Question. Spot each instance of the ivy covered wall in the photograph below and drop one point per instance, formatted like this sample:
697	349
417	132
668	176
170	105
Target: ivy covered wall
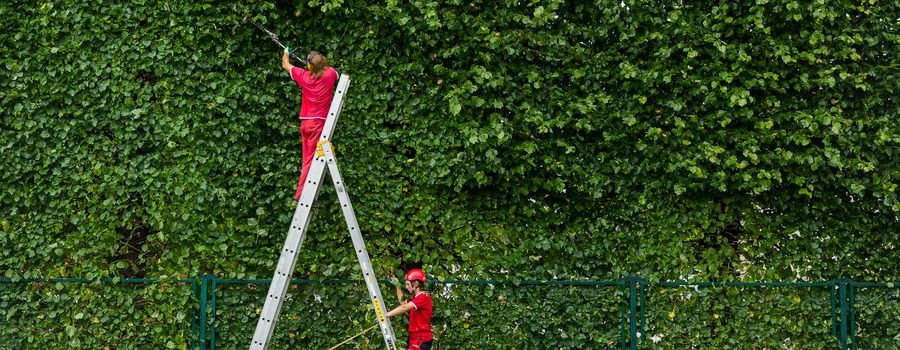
486	140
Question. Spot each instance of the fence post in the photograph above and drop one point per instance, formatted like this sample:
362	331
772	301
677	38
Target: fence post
195	336
624	335
833	308
843	296
632	308
203	293
852	319
642	298
212	312
634	284
847	299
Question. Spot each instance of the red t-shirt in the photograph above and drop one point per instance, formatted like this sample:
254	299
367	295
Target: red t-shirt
420	317
316	93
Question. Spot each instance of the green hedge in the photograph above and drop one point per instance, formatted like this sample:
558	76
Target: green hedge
506	140
877	310
734	318
64	315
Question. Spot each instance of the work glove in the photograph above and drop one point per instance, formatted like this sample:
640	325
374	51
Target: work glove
287	50
395	281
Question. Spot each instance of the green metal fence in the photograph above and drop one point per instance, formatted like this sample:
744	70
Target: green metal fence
630	295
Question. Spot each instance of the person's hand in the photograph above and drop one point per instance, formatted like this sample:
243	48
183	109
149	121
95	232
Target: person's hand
394	280
287	50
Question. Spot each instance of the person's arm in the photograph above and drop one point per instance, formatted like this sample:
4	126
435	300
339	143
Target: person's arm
397	288
286	61
399	294
402	309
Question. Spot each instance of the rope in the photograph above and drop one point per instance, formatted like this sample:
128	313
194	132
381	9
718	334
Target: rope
351	338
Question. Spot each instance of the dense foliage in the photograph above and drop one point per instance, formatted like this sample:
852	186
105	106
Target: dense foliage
484	139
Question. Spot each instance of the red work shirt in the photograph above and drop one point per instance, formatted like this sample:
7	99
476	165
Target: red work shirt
316	93
420	317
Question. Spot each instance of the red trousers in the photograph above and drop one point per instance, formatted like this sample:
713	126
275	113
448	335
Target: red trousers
419	341
310	131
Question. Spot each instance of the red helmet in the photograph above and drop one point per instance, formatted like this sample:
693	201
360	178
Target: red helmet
415	274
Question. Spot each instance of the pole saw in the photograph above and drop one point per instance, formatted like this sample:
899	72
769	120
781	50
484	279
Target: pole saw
274	38
243	13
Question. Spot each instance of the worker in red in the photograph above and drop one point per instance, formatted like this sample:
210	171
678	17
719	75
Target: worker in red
316	89
419	308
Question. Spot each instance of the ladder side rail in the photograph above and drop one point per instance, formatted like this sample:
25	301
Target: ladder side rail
288	258
297	233
337	104
360	248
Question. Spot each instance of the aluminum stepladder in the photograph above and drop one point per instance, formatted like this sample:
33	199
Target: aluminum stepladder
297	233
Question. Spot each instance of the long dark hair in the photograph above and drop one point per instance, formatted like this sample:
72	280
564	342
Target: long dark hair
422	286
